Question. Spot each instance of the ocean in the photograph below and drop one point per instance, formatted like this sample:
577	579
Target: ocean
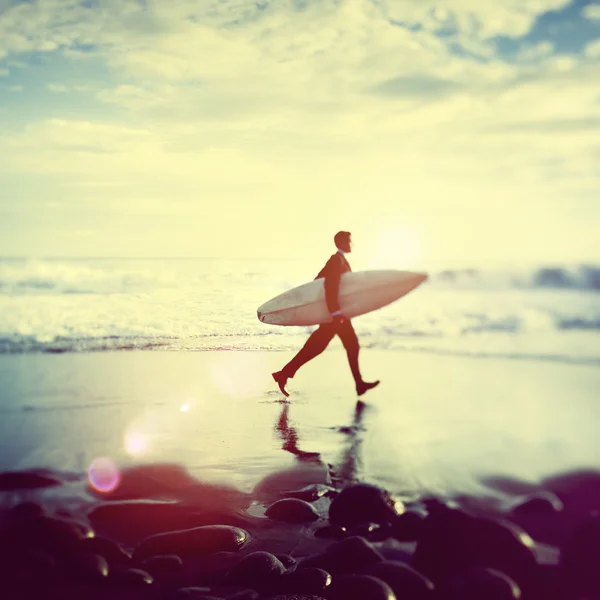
541	312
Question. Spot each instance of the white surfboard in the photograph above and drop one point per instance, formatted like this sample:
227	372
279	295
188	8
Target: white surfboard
360	292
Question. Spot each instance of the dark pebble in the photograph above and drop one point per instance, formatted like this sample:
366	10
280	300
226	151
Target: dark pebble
310	580
453	540
481	583
194	593
371	531
310	493
296	597
406	582
292	510
200	540
362	503
580	556
87	567
360	587
27	510
46	532
25	480
244	595
162	565
347	556
332	532
287	561
257	570
132	577
541	504
408	526
116	556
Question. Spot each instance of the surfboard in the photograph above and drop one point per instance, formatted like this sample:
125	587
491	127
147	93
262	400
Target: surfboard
361	292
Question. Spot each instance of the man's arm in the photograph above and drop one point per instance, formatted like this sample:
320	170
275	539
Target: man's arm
333	276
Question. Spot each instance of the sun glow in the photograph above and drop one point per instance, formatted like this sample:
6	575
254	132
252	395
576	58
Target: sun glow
396	247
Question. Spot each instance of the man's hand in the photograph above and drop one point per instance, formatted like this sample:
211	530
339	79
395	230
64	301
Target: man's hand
337	317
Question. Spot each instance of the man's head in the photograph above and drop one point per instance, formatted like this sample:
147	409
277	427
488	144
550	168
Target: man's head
343	241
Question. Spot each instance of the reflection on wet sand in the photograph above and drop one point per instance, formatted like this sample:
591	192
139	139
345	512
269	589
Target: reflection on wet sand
348	467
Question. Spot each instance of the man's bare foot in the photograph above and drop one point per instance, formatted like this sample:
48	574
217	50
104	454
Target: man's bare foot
365	386
281	380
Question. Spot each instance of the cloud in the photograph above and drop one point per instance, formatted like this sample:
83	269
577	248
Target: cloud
592	12
416	86
592	50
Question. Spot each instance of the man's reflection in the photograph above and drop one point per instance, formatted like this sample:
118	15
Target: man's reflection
290	438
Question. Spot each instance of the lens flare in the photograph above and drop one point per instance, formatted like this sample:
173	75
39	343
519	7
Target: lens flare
185	408
136	442
103	475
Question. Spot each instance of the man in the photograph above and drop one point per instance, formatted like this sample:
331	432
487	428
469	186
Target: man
339	325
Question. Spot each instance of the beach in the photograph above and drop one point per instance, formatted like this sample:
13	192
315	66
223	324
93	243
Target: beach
484	432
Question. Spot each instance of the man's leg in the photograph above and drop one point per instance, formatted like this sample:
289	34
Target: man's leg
350	341
315	344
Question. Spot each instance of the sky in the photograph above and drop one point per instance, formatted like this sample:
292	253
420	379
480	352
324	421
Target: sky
455	130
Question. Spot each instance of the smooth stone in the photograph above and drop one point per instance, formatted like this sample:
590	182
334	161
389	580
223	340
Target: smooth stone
11	481
46	532
332	532
406	582
27	565
88	567
409	525
287	560
132	577
347	556
296	597
27	510
199	540
360	587
275	485
374	532
116	556
161	565
580	556
362	503
194	593
257	570
479	583
244	595
453	540
292	510
310	580
309	493
540	504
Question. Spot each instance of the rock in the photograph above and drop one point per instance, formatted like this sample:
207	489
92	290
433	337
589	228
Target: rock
162	565
291	510
540	504
330	532
244	595
296	597
115	555
480	582
371	531
361	503
309	493
453	540
45	532
360	587
199	540
580	556
11	481
310	580
87	567
275	485
287	560
258	570
347	556
27	510
407	527
194	593
134	577
406	582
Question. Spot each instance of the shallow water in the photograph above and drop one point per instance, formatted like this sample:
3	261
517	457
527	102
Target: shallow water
436	424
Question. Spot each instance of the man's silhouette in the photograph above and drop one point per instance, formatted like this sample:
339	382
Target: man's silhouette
339	325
